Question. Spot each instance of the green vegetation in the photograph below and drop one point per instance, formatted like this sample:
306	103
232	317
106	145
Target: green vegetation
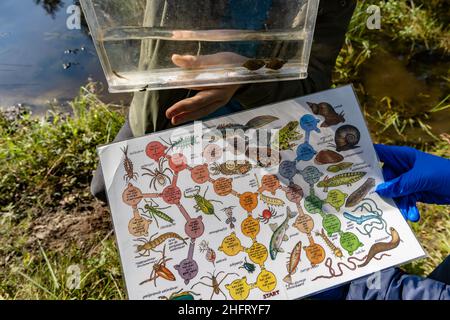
401	72
49	222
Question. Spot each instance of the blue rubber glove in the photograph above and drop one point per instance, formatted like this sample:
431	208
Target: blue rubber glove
413	176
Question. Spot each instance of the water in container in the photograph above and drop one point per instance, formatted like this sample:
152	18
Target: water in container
165	44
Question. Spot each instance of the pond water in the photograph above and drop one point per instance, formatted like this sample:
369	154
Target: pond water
41	59
415	86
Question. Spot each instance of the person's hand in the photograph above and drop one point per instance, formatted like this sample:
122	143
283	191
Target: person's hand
413	176
210	60
205	102
208	99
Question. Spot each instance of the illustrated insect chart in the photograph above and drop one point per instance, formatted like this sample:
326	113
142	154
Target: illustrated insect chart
201	215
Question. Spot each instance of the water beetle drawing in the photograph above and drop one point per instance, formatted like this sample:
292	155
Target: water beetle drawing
202	204
250	267
180	295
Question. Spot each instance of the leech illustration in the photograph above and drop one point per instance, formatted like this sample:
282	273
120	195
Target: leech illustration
360	193
382	247
339	167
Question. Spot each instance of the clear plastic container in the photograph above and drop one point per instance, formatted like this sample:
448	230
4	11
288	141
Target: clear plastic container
166	44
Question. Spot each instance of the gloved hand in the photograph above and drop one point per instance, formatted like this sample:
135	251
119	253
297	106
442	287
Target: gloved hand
412	176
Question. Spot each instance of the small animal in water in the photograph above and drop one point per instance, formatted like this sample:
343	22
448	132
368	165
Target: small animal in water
254	64
272	63
275	63
118	75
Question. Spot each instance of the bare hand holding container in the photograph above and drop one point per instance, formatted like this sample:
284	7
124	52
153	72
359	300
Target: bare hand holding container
167	44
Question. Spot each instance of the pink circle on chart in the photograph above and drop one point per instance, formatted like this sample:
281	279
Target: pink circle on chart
178	162
194	228
212	153
200	174
155	150
171	195
294	193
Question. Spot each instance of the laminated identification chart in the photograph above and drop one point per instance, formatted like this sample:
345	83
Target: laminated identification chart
273	203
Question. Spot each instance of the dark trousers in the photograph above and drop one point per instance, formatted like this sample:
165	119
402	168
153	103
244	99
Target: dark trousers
98	188
442	272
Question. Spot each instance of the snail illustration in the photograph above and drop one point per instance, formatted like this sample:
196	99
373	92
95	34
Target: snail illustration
327	111
347	138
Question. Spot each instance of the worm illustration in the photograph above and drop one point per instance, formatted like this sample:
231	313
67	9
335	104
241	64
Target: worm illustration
338	272
382	247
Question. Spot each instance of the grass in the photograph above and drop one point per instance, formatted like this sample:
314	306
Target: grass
51	227
45	169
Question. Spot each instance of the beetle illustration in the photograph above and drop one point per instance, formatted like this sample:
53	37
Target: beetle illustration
202	204
180	295
160	270
250	267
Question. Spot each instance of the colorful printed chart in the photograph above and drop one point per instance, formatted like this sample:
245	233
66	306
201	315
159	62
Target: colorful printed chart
280	207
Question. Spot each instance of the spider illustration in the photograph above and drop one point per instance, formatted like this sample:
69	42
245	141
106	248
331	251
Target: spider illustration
215	283
267	214
159	174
